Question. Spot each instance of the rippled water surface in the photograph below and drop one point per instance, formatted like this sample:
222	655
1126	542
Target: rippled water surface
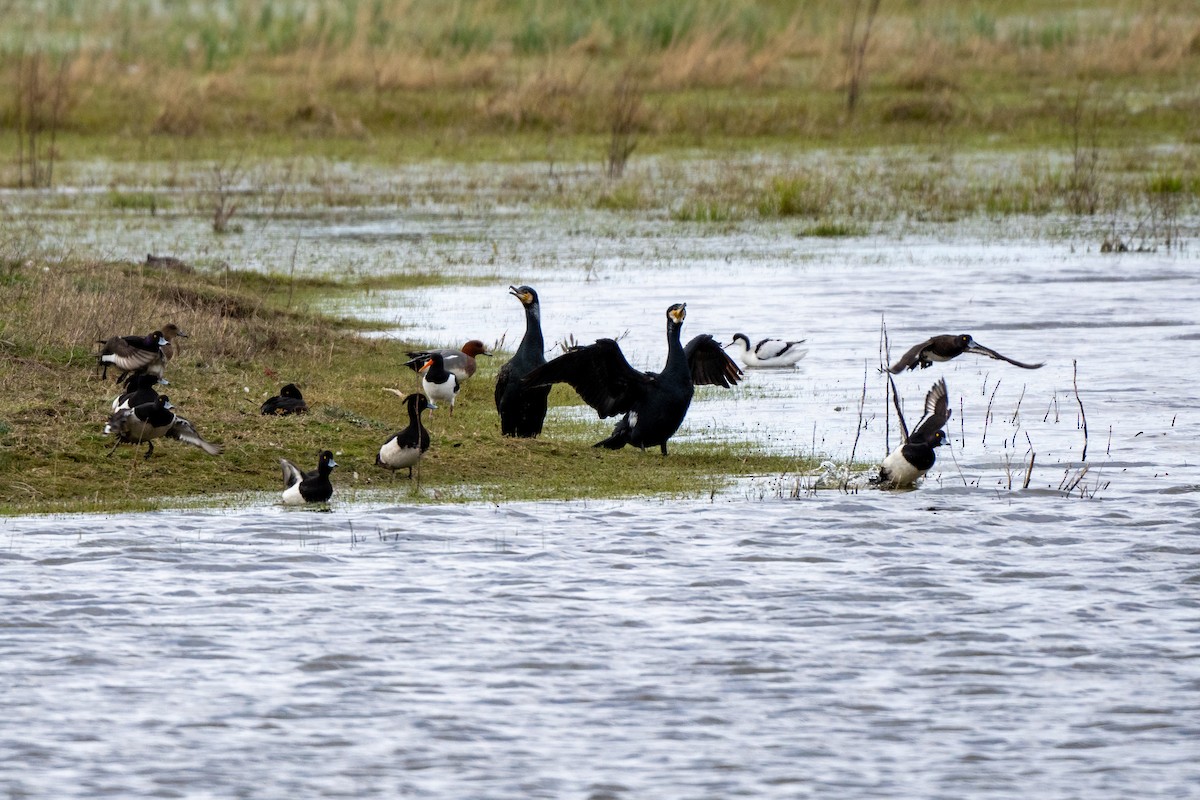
968	639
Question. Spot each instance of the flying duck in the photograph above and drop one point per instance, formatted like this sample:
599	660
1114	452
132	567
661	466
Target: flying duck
139	389
308	487
653	403
147	354
439	385
150	421
460	362
946	347
404	449
915	455
768	352
523	408
288	401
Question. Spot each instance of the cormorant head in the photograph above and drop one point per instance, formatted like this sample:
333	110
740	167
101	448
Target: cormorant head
677	312
525	294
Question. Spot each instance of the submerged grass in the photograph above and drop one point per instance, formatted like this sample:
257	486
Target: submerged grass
248	335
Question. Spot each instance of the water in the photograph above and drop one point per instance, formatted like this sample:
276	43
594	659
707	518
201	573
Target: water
968	639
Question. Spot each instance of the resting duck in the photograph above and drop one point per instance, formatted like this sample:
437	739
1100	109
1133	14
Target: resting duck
308	487
150	421
946	347
459	362
439	384
653	403
288	401
404	449
140	355
139	389
915	455
522	408
768	352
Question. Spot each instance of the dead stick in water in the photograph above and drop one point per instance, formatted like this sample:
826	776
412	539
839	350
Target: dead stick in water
862	402
1082	415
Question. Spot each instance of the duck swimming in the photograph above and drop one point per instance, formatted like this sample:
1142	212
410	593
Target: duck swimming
653	403
522	409
404	449
150	421
288	401
915	455
768	352
946	347
459	362
308	487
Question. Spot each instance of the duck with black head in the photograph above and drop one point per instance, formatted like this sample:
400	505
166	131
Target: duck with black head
144	423
946	347
915	455
288	401
308	487
140	355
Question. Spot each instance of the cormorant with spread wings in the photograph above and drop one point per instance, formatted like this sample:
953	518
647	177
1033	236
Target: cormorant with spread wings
653	403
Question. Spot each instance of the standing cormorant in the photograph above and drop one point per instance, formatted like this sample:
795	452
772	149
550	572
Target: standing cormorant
523	408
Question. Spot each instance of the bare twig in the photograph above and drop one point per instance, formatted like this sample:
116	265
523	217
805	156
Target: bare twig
862	402
1082	415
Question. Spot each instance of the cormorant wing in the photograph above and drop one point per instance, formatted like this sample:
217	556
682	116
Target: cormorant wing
601	375
979	349
937	413
709	363
910	359
185	432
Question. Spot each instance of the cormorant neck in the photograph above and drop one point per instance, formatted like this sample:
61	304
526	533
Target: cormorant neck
533	329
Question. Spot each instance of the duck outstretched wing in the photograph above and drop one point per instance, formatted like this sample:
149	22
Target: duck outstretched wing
599	373
937	413
911	358
185	432
980	350
709	363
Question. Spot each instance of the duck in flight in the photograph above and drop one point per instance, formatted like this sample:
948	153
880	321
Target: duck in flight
522	408
768	352
915	455
653	403
946	347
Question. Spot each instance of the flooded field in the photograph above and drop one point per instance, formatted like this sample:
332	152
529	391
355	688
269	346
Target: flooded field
968	639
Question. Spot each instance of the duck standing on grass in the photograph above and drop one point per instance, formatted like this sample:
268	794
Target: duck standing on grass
460	363
404	449
522	409
288	401
439	384
915	456
768	352
946	347
150	421
654	403
308	487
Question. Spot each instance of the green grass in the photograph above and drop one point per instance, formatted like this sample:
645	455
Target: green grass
246	341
